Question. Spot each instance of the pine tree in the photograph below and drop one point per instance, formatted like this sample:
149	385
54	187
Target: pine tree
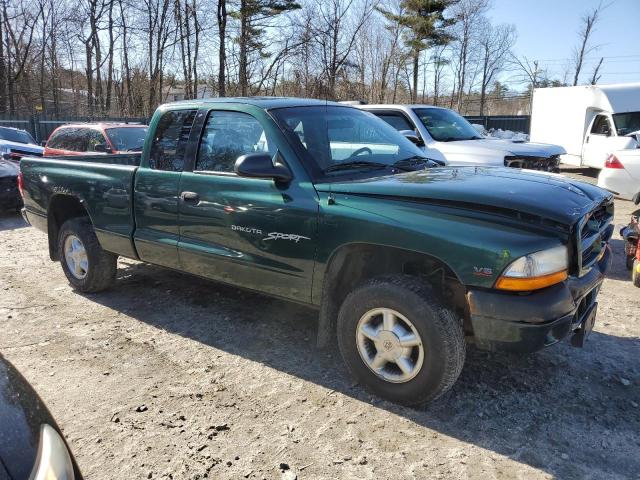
254	16
426	27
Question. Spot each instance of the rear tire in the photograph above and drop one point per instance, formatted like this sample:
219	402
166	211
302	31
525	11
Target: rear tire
635	273
409	373
87	266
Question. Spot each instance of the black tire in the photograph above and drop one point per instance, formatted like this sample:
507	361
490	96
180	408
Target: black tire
101	270
629	262
635	274
440	331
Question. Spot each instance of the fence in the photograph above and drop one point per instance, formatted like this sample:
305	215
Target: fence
41	126
516	123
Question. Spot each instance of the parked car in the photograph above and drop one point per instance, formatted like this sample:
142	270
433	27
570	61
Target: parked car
78	139
32	446
445	135
16	143
326	205
621	174
10	198
590	122
631	235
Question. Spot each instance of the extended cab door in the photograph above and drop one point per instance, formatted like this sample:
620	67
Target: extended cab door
249	232
156	189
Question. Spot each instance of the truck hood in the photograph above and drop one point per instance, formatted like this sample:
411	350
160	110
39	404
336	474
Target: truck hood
546	195
25	147
501	148
8	169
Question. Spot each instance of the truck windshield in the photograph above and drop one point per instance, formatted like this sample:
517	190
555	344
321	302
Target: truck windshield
15	135
127	139
446	125
343	139
627	123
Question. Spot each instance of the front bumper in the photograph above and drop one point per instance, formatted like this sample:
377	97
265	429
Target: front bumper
544	164
529	322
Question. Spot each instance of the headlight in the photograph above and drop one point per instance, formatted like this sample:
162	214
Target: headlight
54	461
536	270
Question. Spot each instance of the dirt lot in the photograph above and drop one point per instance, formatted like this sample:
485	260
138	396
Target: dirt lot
168	376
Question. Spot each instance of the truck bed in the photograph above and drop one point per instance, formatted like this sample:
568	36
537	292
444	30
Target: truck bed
102	183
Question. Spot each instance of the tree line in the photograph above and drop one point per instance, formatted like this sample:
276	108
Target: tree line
124	57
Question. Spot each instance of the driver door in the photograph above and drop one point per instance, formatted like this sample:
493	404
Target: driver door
250	232
599	142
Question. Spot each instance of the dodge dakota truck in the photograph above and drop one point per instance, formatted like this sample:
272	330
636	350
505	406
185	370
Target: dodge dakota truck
329	206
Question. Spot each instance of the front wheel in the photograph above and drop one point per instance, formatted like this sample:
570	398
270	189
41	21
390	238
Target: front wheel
400	341
87	266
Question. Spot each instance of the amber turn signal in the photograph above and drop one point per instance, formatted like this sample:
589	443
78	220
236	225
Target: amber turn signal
531	283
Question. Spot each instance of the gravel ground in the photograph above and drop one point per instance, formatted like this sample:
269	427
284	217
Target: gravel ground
169	376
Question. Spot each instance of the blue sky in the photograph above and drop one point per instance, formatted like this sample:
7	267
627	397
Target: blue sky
547	31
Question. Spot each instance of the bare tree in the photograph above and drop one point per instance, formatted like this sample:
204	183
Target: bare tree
588	22
595	77
495	46
469	15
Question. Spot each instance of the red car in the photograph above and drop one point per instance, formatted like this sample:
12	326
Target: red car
77	139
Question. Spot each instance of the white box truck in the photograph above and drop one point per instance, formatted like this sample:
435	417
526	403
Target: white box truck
590	122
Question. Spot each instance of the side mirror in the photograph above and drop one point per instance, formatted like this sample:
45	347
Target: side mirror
101	148
43	143
412	136
261	165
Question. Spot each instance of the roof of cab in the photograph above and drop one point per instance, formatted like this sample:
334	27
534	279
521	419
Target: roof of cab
261	102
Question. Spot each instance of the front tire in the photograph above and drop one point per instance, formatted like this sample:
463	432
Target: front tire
87	266
400	341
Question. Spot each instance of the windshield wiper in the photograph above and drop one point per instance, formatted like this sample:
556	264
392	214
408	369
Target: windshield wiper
355	164
415	162
133	149
454	139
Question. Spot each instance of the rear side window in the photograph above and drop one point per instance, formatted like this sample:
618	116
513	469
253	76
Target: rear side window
60	139
395	120
228	135
170	140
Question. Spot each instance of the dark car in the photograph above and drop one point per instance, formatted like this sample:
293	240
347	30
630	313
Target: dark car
31	444
10	198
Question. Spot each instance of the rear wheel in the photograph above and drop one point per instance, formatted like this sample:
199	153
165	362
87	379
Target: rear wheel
400	341
87	266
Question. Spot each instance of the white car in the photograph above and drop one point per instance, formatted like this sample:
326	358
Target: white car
16	143
621	174
447	136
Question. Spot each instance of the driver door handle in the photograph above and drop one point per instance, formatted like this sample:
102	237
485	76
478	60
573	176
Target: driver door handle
190	197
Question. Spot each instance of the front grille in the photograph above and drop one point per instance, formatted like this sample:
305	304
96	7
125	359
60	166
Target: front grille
545	164
594	231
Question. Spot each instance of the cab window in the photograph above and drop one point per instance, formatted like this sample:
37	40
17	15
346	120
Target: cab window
170	140
601	126
228	135
397	121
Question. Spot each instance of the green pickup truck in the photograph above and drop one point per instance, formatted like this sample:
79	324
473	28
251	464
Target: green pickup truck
327	205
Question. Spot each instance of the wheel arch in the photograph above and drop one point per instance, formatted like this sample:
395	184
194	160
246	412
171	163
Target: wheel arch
352	264
62	207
